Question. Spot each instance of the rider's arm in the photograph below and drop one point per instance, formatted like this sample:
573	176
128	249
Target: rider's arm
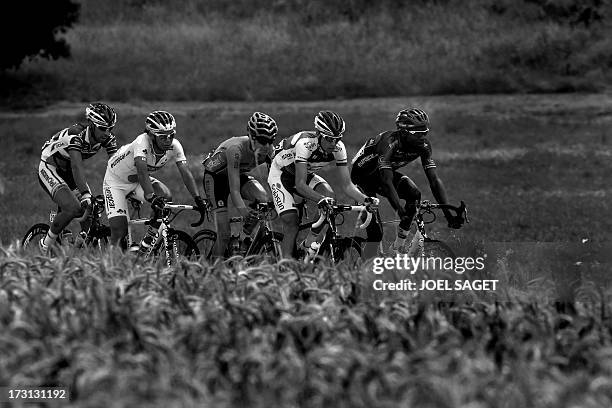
385	150
143	176
437	188
78	171
111	146
389	189
233	156
348	187
301	171
188	178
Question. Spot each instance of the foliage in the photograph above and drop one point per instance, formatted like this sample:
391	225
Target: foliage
121	333
33	28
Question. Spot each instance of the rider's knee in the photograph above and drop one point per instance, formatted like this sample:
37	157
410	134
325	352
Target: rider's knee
290	222
162	190
73	210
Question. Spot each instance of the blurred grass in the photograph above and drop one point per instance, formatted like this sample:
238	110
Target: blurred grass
149	50
122	333
530	167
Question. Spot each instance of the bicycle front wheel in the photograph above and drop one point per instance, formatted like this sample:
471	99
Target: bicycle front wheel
269	245
180	244
34	234
432	248
205	241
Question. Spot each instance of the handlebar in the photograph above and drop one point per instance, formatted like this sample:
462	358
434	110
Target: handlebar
181	207
340	208
426	206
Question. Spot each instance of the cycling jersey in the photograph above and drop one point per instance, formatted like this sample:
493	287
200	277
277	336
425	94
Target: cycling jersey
56	151
240	147
386	152
304	147
122	167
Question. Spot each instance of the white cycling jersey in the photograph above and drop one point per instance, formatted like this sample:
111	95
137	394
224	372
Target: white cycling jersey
121	165
304	147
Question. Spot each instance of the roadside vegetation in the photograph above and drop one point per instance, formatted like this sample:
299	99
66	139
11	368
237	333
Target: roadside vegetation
120	333
297	50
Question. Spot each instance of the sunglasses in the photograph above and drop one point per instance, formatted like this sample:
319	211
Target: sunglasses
418	132
105	128
166	136
331	139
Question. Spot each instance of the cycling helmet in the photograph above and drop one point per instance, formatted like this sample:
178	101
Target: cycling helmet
262	128
412	118
101	115
329	124
160	123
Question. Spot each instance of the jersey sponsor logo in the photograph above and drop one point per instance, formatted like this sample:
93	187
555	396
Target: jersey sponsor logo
310	145
279	196
119	158
365	159
220	203
110	203
289	155
52	183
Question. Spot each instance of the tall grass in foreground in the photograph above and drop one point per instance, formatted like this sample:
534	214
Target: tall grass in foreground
453	47
124	334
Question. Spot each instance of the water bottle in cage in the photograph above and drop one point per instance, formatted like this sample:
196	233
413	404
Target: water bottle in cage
149	239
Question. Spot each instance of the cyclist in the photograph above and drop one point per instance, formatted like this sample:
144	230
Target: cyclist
61	172
128	171
293	168
375	172
225	174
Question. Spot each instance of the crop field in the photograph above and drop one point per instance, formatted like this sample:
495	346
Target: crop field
534	171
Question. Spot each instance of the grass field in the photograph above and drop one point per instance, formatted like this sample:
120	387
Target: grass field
534	171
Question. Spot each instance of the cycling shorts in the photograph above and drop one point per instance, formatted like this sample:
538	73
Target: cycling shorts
216	187
115	194
283	188
52	178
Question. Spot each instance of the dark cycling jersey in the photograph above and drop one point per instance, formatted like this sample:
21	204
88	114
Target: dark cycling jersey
240	147
385	151
56	151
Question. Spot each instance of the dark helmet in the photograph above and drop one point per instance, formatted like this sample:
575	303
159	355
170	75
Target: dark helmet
330	124
262	128
412	118
101	115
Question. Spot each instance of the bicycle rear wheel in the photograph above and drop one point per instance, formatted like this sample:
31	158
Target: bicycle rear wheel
205	241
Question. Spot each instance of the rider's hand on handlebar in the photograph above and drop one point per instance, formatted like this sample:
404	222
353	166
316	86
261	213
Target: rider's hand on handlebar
202	204
157	203
371	204
85	200
246	212
326	203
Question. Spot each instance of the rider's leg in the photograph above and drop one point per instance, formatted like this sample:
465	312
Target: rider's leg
116	206
119	230
69	209
316	234
290	230
216	188
408	191
58	185
223	231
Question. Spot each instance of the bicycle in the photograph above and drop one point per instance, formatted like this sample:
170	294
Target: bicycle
422	244
168	241
334	246
264	241
96	235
